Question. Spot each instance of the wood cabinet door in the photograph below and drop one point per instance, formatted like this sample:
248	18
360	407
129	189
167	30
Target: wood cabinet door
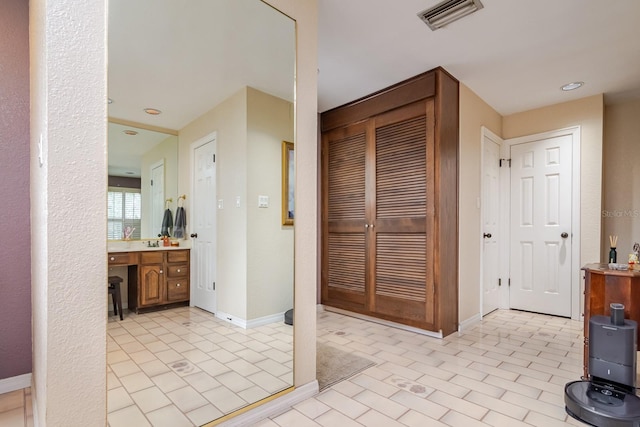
152	285
401	210
344	154
378	210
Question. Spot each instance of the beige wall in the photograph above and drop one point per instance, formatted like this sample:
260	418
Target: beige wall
228	120
621	204
588	113
69	272
269	243
255	252
166	151
474	113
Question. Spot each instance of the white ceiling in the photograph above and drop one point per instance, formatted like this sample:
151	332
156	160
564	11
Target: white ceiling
185	56
514	54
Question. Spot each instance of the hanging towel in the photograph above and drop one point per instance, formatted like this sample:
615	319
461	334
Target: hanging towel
167	223
181	223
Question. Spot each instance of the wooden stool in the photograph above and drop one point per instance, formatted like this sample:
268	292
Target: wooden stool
114	291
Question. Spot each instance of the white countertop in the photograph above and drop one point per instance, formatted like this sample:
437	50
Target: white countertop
141	245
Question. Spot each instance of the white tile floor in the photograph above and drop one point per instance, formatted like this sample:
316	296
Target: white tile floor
184	367
509	370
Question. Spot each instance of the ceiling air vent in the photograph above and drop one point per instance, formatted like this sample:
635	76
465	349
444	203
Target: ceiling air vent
448	11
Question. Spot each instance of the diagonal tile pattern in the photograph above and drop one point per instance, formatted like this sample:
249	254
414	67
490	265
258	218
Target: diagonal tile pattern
182	367
508	370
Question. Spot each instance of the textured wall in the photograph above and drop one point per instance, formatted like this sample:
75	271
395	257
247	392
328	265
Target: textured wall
15	249
69	263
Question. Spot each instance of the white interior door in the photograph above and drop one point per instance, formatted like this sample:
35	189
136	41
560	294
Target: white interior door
203	252
157	198
541	225
490	225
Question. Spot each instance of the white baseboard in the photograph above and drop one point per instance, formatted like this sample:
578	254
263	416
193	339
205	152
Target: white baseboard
274	407
273	318
253	323
466	324
15	383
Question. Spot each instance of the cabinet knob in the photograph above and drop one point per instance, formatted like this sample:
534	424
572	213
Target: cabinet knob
160	271
112	258
178	270
177	285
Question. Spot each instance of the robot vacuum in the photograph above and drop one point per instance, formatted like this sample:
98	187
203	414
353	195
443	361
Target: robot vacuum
608	398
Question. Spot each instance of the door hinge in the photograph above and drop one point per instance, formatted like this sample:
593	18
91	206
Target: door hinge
499	282
505	160
509	283
214	158
152	183
214	286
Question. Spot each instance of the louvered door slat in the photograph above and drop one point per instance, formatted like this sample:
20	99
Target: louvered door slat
400	266
401	169
347	262
346	178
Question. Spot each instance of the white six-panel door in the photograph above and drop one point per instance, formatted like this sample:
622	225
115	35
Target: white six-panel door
541	218
490	225
203	230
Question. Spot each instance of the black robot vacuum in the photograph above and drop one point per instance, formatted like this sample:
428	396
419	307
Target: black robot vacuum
608	398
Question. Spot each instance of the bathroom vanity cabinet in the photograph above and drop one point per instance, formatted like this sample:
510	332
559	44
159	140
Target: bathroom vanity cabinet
157	279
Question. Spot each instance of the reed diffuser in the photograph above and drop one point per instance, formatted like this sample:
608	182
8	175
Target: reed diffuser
613	255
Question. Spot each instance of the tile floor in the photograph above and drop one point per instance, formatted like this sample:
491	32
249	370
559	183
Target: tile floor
509	370
15	409
184	367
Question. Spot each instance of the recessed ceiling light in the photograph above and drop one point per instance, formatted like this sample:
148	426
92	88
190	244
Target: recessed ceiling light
130	132
130	173
572	86
152	111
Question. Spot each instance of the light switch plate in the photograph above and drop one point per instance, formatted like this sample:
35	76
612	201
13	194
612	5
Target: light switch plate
237	201
263	201
220	203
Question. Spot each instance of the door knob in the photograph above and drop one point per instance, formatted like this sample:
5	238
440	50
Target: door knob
564	235
194	235
487	235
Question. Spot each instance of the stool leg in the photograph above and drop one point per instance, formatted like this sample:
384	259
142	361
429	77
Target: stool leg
115	307
119	297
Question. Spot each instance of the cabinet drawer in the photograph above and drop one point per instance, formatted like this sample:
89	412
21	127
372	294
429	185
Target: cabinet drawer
177	290
180	270
122	258
151	257
177	256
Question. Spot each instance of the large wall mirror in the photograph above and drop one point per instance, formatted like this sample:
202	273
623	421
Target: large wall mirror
143	179
209	70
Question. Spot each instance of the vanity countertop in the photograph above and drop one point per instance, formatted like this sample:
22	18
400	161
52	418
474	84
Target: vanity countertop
141	246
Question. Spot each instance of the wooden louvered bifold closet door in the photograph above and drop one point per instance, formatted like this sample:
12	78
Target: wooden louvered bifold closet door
344	153
379	216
